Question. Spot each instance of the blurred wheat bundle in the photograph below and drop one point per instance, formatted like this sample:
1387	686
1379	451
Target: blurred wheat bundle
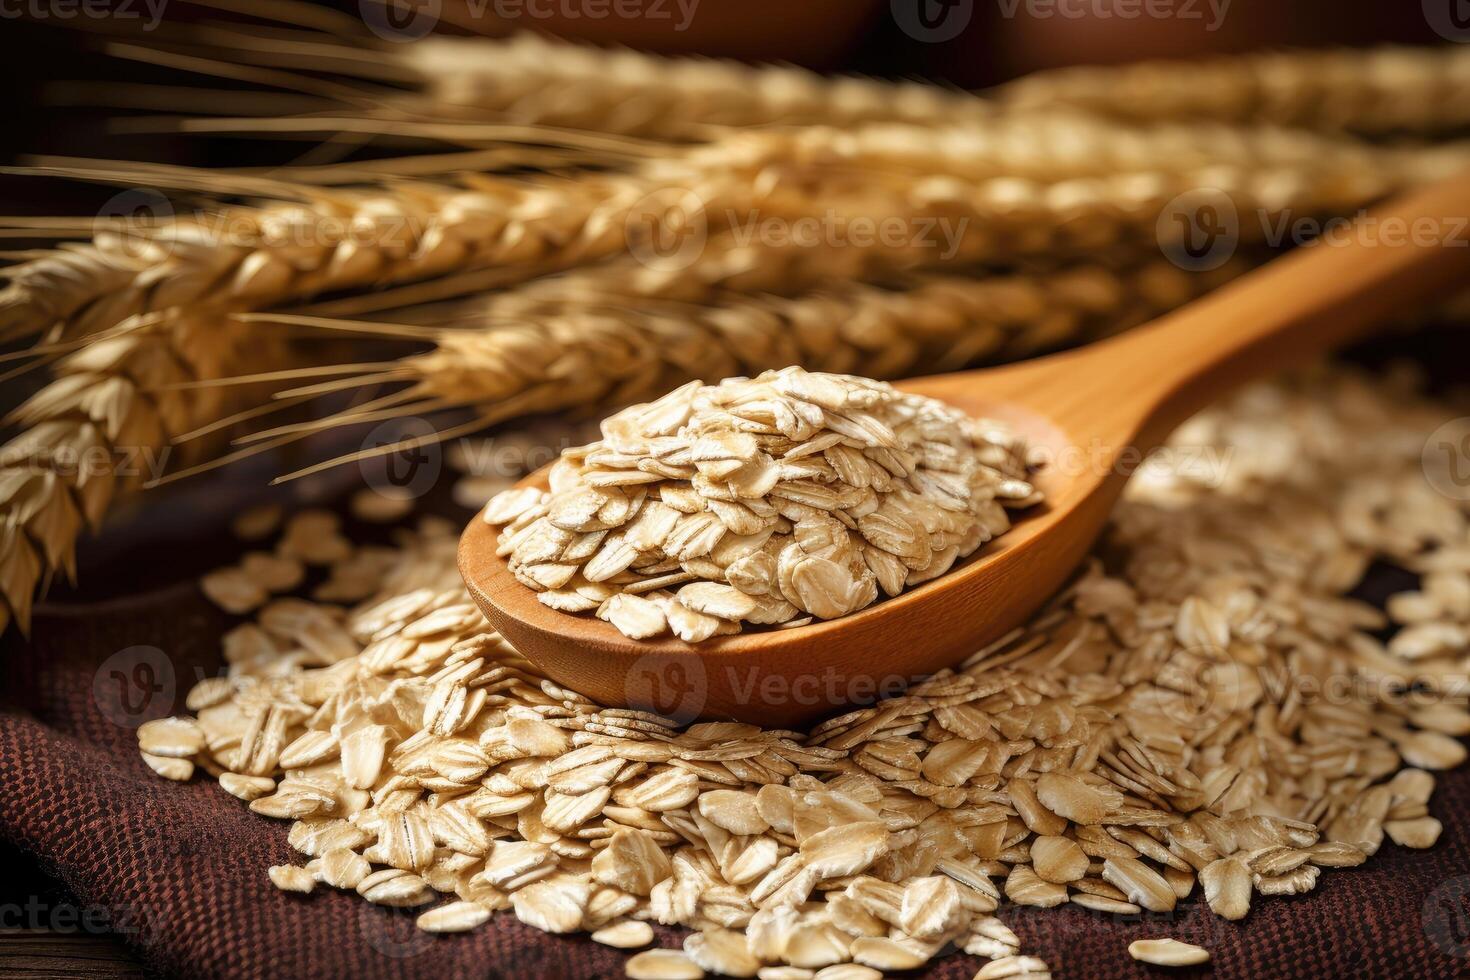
591	227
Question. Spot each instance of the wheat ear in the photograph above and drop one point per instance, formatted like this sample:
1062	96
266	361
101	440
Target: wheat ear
529	79
569	345
103	427
251	258
1379	91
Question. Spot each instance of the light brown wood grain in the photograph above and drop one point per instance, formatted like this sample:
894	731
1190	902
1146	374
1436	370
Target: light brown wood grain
1094	412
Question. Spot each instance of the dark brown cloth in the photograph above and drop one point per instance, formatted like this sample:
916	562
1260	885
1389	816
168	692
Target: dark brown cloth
180	869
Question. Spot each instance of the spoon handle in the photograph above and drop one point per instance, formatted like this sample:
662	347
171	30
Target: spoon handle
1390	262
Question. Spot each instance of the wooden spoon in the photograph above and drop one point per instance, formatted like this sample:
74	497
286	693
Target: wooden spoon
1094	413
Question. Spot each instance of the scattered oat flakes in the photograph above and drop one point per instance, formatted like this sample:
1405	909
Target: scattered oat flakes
1107	754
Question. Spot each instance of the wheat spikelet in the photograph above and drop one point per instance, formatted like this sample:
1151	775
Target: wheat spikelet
1066	145
100	429
1032	129
529	79
1002	218
246	258
1022	182
1375	91
568	344
308	241
176	287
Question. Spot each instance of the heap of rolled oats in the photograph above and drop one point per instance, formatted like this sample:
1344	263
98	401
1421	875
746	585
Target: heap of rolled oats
772	500
1202	716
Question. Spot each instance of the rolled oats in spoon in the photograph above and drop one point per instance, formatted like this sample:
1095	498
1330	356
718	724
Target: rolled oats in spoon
772	501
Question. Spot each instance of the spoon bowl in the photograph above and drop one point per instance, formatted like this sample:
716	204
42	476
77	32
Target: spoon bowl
785	677
1091	414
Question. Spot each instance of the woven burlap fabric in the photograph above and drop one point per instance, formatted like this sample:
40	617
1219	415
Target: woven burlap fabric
180	869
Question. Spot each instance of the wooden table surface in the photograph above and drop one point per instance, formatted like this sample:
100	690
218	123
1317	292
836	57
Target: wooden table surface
46	933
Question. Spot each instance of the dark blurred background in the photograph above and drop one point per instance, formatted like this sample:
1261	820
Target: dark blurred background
43	42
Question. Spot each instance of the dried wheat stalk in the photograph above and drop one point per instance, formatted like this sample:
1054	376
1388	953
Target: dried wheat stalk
1037	186
106	425
594	338
249	258
529	79
1065	145
171	288
180	279
196	279
1379	91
